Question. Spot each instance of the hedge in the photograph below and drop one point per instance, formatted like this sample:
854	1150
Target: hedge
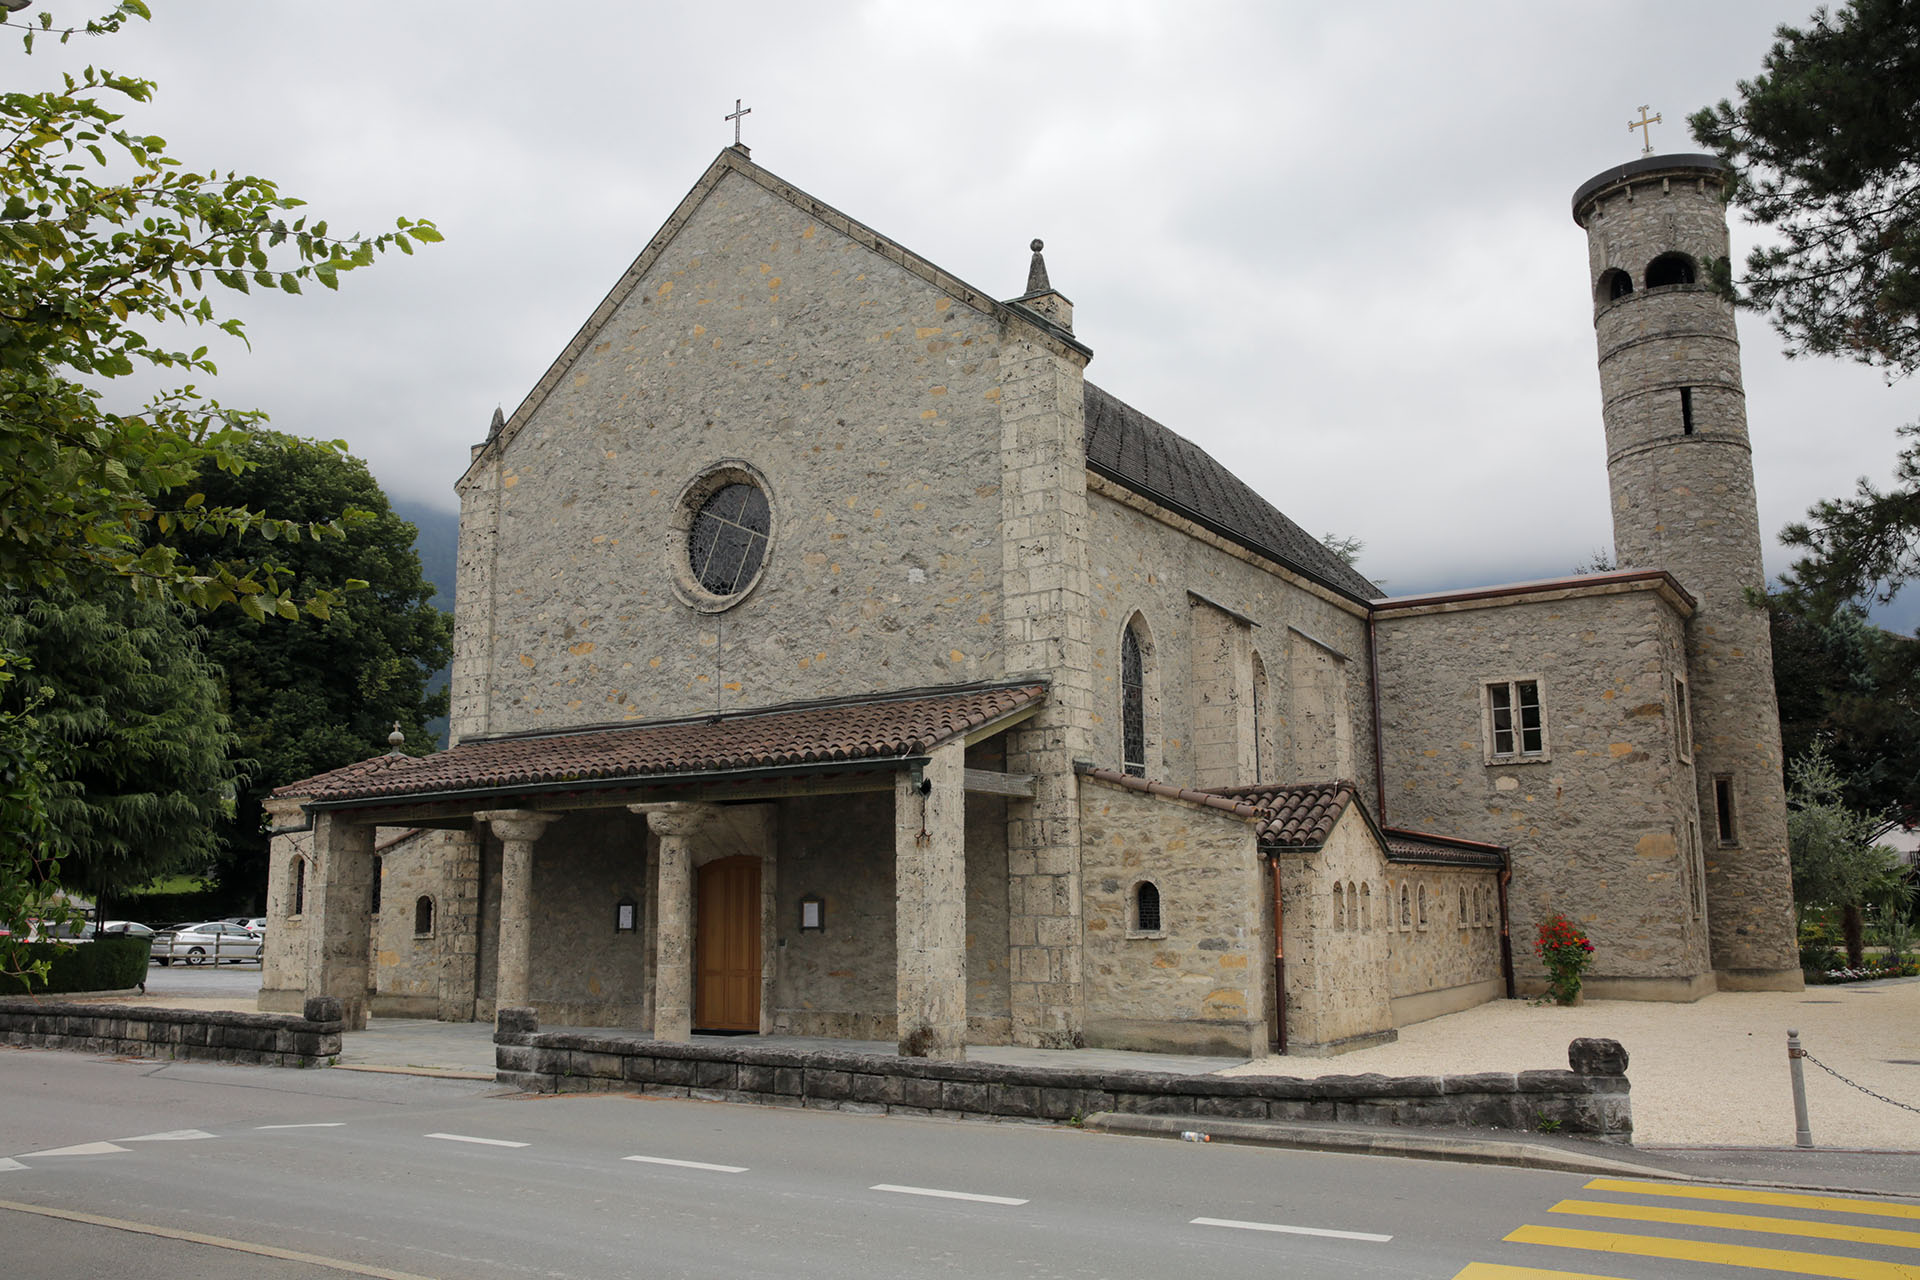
111	964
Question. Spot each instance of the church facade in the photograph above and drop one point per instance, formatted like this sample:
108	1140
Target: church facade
834	659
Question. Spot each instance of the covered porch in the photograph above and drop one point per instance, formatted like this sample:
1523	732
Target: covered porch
836	869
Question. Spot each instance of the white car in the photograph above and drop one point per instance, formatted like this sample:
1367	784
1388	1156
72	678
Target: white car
216	940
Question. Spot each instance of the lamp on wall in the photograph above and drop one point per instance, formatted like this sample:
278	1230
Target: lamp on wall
626	913
813	914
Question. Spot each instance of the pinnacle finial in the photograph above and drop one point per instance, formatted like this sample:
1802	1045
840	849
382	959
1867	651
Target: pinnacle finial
499	422
1037	273
395	738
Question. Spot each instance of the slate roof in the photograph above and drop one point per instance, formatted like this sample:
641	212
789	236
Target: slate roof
841	731
1133	450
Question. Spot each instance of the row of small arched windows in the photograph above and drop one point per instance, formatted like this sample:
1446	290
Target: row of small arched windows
1406	907
297	897
1667	269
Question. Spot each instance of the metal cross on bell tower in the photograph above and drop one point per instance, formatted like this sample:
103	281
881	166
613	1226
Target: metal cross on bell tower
1643	124
739	111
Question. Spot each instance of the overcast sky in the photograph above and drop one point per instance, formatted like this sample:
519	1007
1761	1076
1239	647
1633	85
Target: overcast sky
1329	243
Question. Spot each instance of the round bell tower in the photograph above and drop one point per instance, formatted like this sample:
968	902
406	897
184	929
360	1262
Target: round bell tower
1680	469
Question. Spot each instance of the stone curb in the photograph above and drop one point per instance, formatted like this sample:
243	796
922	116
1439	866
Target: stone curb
1377	1142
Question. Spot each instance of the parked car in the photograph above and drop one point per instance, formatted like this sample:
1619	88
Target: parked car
215	940
127	926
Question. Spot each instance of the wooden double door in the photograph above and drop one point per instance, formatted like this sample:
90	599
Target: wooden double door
726	946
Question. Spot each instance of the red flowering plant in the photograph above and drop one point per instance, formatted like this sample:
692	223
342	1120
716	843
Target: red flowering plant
1567	954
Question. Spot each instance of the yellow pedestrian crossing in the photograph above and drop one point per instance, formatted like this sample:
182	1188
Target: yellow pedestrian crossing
1742	1222
1699	1233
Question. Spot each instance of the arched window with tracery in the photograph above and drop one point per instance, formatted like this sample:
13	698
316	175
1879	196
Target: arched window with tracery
1136	657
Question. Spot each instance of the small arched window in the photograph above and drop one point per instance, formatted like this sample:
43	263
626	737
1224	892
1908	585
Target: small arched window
1423	906
1406	907
422	916
1133	703
1339	906
1146	907
298	891
1353	907
1614	284
1463	909
1670	268
1366	906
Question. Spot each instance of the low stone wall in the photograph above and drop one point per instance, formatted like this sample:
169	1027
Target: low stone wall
256	1039
1589	1101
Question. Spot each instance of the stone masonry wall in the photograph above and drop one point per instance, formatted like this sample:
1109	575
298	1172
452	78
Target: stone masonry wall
1444	956
1337	989
1197	983
310	1039
585	973
1591	1101
866	397
838	981
1138	563
1596	827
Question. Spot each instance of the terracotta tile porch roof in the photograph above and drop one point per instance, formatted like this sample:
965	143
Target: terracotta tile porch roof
842	731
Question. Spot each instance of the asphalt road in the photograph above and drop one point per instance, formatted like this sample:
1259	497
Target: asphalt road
121	1167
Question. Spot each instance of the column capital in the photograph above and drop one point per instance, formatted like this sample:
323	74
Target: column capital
516	824
676	818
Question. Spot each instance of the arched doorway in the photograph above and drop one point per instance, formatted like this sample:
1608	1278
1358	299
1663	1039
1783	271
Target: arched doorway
726	946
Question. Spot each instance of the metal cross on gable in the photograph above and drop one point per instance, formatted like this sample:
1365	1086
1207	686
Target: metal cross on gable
1643	124
739	111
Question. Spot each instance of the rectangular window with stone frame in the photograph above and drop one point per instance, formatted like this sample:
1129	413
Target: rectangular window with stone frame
1514	720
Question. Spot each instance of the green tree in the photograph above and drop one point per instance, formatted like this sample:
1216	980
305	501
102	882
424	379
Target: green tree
1825	150
1836	863
109	248
27	762
1853	690
1865	546
310	694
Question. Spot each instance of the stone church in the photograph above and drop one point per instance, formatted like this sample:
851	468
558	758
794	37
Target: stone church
834	659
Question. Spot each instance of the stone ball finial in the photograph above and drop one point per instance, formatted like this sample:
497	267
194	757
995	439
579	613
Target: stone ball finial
395	738
1039	244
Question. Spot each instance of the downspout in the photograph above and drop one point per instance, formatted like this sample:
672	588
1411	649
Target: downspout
1506	943
1379	767
1279	966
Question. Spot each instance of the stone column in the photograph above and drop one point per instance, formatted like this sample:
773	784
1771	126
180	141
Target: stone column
930	896
517	829
459	924
339	899
675	824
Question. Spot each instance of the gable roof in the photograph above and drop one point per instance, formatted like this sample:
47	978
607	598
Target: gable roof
877	729
1300	816
1131	449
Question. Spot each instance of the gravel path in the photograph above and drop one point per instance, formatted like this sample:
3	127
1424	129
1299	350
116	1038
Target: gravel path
1713	1073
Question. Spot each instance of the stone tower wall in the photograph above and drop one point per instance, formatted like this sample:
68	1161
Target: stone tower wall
1681	474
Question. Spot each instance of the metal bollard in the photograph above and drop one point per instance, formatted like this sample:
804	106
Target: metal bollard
1802	1135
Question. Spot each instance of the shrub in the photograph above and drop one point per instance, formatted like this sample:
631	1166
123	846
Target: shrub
1567	954
111	964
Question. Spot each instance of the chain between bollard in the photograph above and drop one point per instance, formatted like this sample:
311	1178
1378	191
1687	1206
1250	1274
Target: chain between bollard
1852	1084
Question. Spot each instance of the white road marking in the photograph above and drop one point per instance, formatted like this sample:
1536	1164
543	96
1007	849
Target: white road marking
84	1149
330	1124
1292	1231
172	1135
945	1195
485	1142
689	1164
8	1166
